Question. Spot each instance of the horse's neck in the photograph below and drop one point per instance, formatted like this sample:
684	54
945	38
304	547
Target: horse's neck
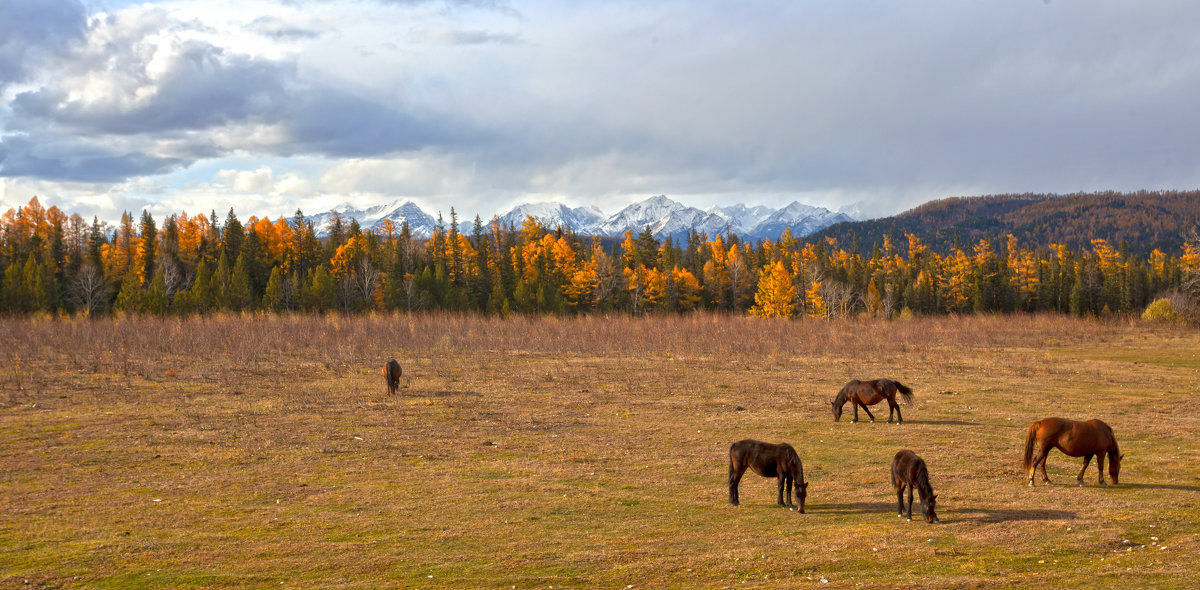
921	482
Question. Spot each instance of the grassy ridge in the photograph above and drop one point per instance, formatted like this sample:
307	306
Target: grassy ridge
578	452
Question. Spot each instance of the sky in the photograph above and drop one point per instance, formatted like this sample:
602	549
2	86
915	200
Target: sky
269	106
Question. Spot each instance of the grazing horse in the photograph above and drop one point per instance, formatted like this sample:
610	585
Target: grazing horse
779	461
866	393
1075	439
909	471
391	373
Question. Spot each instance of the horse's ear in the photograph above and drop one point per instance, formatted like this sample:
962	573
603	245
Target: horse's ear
1122	457
934	497
804	484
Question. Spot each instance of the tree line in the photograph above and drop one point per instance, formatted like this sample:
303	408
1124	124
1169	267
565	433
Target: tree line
58	263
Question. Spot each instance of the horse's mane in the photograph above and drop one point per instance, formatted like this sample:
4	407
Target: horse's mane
842	395
921	481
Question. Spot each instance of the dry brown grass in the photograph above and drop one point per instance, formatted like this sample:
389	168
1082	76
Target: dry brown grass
258	451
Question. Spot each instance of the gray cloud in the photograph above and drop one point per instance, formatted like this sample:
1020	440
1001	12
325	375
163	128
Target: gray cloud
895	102
32	30
277	28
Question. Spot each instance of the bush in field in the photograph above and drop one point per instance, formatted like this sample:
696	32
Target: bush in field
1161	310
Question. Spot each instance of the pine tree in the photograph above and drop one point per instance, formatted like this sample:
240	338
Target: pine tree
241	296
129	299
146	248
273	295
155	300
323	292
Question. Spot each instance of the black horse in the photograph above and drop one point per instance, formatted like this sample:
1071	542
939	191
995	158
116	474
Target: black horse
779	461
908	470
391	373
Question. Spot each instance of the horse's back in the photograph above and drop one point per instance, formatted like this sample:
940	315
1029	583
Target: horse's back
905	465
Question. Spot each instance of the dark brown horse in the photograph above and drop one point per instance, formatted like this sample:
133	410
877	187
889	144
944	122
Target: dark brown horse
866	393
909	471
391	373
1075	439
779	461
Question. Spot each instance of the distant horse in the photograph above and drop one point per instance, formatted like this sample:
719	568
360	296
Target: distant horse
909	471
1075	439
779	461
391	373
867	393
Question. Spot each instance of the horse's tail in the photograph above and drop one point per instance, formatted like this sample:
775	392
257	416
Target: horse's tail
1030	438
905	391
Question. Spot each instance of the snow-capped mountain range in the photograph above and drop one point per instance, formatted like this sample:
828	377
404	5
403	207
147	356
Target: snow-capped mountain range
662	215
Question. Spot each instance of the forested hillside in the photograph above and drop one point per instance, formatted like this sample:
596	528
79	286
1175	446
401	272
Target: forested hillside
58	263
1142	222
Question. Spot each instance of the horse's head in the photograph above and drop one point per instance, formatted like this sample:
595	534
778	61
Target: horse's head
837	411
927	509
801	494
1114	466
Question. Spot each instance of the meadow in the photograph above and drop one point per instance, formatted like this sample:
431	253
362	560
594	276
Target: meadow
591	452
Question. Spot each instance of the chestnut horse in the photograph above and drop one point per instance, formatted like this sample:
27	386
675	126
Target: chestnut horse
909	471
391	373
866	393
779	461
1075	439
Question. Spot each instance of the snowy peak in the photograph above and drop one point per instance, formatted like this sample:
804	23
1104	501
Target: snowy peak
420	223
662	215
553	215
739	217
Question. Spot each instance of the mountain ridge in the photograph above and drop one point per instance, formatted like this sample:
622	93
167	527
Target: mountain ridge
664	216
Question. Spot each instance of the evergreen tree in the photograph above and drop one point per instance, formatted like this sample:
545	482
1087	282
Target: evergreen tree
155	300
274	298
241	296
232	235
129	298
146	248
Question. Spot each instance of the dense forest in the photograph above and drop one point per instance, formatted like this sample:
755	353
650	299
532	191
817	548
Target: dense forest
58	263
1139	223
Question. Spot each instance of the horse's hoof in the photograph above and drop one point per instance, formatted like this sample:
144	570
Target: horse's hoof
909	520
1102	484
792	508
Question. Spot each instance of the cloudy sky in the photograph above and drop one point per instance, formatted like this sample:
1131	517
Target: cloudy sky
273	105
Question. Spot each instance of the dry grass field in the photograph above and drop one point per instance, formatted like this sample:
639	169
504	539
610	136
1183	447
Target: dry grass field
581	453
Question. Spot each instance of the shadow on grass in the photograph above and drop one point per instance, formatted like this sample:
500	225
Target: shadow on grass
1012	515
977	514
851	508
945	422
1159	486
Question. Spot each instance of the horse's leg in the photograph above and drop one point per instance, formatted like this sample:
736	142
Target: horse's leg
1099	466
855	402
868	411
900	500
891	408
780	481
910	494
788	483
1039	458
735	476
1087	459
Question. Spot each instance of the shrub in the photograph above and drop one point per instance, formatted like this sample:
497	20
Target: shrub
1161	310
